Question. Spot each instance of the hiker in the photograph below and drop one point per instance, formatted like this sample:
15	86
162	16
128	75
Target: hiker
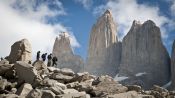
54	61
38	55
44	56
49	58
1	58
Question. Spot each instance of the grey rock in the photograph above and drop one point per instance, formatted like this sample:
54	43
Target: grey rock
57	90
59	76
63	51
20	51
4	61
30	72
35	93
104	50
74	95
130	94
66	71
134	88
144	52
24	89
4	68
107	85
47	94
9	96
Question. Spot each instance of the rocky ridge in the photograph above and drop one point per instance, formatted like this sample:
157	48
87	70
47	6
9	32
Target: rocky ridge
51	82
64	53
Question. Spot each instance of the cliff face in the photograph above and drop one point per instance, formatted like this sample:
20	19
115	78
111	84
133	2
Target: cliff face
144	58
63	51
173	65
104	48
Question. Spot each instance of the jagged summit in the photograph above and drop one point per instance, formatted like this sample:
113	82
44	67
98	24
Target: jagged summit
108	11
64	53
102	46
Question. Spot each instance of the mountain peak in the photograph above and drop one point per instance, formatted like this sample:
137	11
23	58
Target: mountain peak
108	12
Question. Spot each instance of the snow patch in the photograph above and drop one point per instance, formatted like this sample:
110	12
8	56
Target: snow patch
167	84
140	74
121	78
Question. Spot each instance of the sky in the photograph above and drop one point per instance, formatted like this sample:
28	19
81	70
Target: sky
40	21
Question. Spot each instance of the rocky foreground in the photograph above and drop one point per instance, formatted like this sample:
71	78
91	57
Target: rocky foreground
23	80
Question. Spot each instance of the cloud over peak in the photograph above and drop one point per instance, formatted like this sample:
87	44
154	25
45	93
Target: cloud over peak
125	11
28	19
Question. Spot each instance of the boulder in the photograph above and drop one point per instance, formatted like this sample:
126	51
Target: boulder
57	90
130	94
4	61
52	83
107	85
47	94
9	96
24	89
39	65
81	77
20	51
63	51
30	72
35	93
53	69
134	88
74	95
4	68
59	76
66	71
145	60
104	49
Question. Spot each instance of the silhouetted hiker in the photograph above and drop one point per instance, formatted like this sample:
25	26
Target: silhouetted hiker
54	61
44	56
38	55
49	62
1	58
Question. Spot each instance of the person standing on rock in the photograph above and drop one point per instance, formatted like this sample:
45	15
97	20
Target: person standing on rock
49	58
44	56
38	55
54	61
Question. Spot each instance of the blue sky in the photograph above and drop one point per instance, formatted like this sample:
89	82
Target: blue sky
41	21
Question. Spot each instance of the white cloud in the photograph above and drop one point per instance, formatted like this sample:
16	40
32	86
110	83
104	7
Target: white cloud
173	7
16	24
125	11
86	3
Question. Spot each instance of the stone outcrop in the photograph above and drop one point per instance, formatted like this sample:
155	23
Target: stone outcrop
64	53
173	65
26	72
104	48
20	51
80	85
145	60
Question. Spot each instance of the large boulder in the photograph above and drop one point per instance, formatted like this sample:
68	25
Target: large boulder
173	65
20	51
106	85
145	60
26	72
4	68
64	53
104	49
24	89
130	94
